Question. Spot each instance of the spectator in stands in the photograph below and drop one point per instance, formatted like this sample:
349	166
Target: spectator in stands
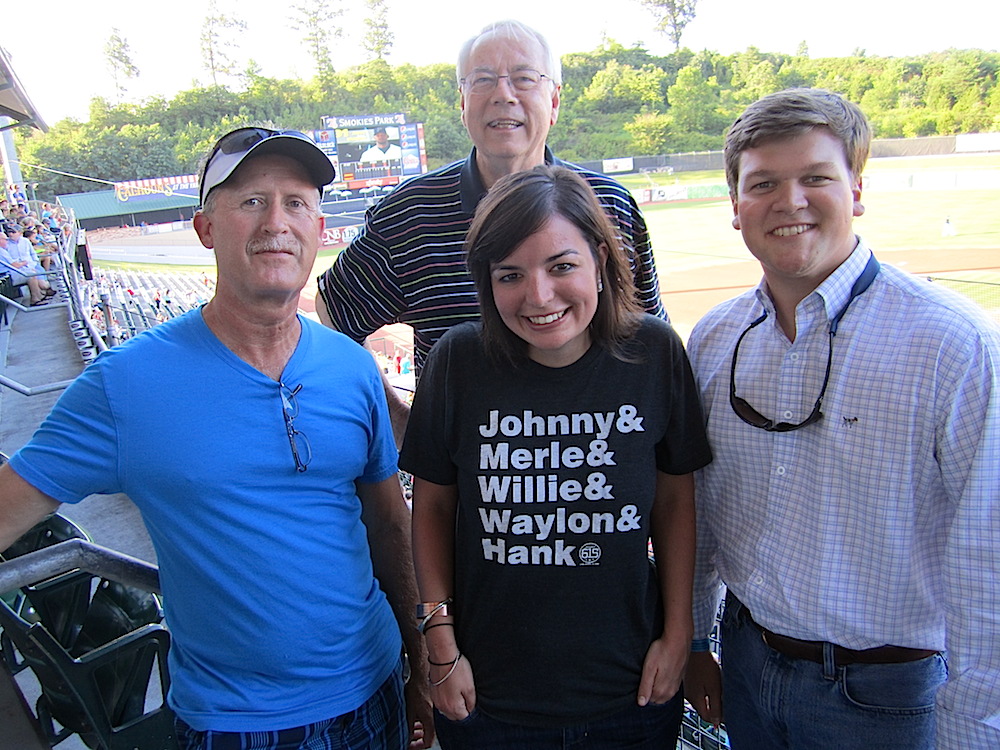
528	657
279	627
17	195
853	506
65	232
43	250
400	269
47	236
20	274
20	249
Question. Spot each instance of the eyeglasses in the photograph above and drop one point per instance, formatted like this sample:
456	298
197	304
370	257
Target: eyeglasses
301	449
238	142
753	417
484	81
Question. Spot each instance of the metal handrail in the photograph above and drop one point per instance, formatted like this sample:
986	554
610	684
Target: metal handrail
78	554
33	390
65	270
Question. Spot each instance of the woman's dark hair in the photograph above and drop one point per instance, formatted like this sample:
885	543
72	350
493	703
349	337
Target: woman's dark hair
518	206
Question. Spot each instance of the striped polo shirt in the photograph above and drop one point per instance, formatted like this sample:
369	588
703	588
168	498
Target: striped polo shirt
407	265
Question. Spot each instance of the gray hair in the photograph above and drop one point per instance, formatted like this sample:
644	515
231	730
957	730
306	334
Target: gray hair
514	30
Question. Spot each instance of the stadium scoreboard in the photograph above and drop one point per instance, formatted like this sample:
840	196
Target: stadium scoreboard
351	141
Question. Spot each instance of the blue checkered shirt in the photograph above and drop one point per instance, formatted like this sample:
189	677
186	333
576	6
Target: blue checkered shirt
881	523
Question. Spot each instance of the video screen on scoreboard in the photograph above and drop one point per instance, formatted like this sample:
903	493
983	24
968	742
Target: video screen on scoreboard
369	153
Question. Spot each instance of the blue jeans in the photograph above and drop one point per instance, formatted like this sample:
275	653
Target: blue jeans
378	724
634	728
773	701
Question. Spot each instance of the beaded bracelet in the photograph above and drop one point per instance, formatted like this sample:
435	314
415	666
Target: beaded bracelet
454	666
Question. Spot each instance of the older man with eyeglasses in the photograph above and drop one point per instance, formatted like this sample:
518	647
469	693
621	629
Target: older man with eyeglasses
408	263
257	445
853	506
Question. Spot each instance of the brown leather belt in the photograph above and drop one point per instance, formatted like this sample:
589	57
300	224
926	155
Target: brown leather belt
813	651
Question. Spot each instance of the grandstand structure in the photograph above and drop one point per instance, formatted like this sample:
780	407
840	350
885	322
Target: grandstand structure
129	302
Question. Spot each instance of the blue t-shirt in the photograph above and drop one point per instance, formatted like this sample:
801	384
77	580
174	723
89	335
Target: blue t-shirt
276	618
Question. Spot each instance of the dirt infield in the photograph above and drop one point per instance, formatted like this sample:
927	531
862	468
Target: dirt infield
688	295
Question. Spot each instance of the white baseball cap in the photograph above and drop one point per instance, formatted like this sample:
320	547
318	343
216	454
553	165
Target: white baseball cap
233	148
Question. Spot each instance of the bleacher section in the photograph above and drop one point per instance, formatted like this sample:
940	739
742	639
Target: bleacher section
137	300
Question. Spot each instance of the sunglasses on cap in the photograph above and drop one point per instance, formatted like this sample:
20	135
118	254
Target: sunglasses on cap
232	148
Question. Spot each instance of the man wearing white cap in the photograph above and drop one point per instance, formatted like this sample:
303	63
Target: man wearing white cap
257	445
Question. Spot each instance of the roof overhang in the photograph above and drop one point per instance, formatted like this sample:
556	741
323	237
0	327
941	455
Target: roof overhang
14	101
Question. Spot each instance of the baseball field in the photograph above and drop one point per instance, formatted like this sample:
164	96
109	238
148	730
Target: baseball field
702	260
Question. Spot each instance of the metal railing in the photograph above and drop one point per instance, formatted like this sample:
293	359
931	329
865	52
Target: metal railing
65	272
986	294
77	554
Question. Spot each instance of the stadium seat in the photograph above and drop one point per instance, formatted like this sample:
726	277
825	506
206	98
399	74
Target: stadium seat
92	644
51	530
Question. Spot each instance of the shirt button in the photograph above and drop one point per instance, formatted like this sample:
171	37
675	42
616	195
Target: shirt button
794	356
759	580
787	415
780	471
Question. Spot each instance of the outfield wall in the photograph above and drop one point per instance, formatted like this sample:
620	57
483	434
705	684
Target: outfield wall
968	143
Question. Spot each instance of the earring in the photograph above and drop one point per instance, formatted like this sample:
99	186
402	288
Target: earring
600	284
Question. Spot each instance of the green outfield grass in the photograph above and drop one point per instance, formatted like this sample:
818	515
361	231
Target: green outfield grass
982	287
695	234
951	162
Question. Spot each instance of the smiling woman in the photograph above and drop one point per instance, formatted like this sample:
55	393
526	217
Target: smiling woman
566	397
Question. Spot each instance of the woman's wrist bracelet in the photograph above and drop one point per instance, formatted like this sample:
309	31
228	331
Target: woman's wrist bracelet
437	625
454	666
442	663
427	610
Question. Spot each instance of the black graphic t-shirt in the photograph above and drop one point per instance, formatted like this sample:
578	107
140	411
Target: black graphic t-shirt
556	599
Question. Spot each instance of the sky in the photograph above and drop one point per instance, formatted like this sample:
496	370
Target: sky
61	62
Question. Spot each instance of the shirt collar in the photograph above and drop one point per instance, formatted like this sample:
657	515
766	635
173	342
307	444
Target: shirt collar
471	184
835	289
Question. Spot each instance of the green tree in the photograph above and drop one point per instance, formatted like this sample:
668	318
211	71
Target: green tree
754	76
218	38
378	37
694	103
316	21
673	16
884	92
119	61
622	88
616	101
650	133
